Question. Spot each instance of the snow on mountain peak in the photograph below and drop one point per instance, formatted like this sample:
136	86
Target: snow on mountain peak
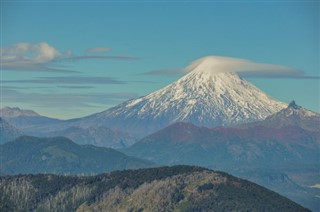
206	96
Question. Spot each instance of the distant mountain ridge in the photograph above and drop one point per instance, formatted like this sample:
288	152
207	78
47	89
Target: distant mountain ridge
184	143
288	136
99	136
60	155
28	121
11	112
31	123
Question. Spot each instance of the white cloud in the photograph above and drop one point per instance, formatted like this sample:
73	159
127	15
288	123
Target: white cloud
28	52
44	57
45	52
29	56
65	100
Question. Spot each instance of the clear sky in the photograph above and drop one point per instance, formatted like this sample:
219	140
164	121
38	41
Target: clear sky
73	58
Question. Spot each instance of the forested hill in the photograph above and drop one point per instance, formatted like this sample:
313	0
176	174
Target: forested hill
177	188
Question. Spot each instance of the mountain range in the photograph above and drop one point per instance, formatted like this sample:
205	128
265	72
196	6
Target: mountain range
262	144
284	157
269	149
178	188
18	121
98	136
210	118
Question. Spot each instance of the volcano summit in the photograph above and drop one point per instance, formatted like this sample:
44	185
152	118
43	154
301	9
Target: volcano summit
205	96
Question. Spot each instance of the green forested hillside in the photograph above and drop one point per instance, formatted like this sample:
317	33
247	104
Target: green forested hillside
178	188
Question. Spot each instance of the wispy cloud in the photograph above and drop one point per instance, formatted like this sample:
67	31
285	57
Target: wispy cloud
69	100
46	87
4	87
98	50
44	57
70	80
75	86
247	68
97	57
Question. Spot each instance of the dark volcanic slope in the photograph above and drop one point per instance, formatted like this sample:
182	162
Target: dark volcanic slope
60	155
181	188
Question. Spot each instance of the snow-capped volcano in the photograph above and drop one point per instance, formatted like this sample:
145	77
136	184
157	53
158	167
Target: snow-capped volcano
205	97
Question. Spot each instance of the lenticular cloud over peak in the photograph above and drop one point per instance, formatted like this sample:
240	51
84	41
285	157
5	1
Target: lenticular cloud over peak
220	64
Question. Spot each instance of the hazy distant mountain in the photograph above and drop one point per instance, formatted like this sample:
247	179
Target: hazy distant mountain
178	188
62	156
292	181
12	112
8	132
31	123
98	136
202	97
28	121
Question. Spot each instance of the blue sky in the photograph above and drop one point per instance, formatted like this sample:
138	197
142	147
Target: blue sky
70	59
